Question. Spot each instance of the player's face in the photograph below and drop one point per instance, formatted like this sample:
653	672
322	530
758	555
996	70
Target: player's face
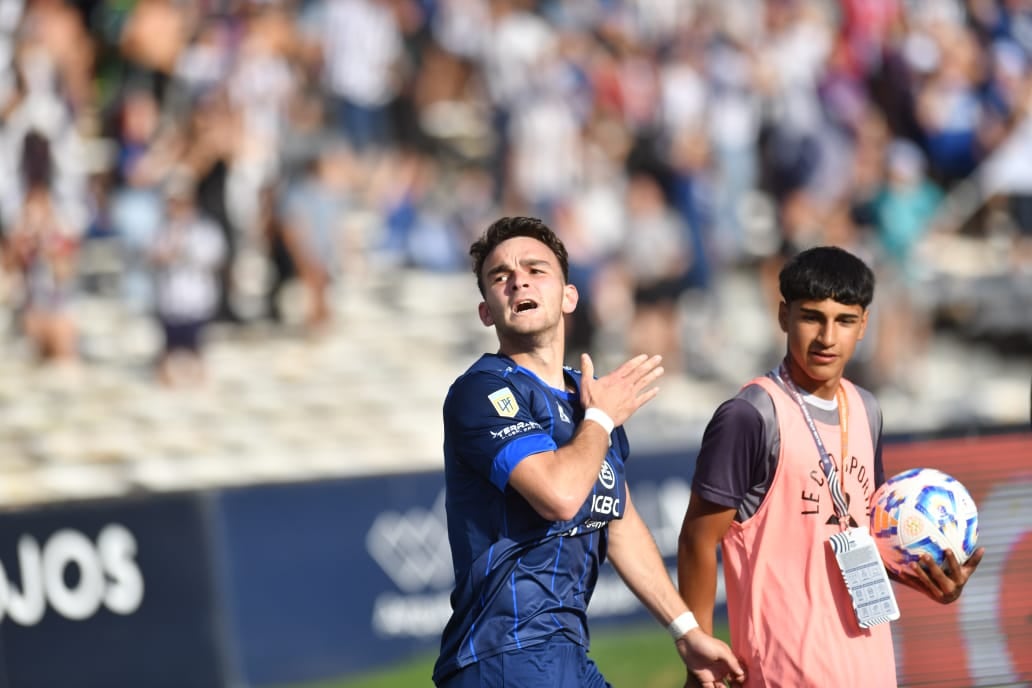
822	336
524	289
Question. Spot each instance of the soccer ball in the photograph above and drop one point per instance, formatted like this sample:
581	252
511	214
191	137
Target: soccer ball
923	510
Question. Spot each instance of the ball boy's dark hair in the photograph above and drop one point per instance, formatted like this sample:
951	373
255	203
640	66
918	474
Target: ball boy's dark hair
827	272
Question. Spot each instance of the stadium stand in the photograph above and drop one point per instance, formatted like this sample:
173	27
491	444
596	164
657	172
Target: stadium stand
362	176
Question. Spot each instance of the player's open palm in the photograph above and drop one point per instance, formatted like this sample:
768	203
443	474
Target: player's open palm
709	660
623	391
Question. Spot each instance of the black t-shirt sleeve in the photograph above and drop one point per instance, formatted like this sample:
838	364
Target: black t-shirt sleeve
733	457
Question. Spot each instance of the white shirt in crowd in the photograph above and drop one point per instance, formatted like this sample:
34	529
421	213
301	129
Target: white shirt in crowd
187	285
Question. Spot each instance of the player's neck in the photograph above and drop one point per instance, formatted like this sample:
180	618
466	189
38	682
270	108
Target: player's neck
822	389
545	362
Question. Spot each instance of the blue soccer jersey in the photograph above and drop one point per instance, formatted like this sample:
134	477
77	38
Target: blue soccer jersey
519	578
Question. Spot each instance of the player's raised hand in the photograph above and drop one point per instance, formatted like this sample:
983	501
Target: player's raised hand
623	391
709	660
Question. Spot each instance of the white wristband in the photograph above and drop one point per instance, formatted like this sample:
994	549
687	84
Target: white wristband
600	417
682	624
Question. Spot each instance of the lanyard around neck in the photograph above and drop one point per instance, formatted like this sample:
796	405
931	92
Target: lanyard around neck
827	465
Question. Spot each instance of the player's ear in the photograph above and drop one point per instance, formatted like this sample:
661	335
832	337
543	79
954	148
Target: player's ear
570	298
863	324
783	316
485	314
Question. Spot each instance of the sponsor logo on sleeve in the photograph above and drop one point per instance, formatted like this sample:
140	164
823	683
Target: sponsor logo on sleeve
504	402
514	429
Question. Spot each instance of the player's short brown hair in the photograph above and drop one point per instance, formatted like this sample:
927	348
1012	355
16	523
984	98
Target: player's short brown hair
507	228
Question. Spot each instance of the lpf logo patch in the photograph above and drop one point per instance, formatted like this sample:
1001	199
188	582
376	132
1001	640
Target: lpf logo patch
504	402
606	476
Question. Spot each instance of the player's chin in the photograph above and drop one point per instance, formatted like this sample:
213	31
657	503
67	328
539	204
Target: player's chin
823	359
529	324
824	368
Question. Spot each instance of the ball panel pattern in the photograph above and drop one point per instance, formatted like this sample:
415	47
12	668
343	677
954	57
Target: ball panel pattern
923	510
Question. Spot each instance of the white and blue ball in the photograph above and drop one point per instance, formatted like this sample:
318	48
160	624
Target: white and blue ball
923	510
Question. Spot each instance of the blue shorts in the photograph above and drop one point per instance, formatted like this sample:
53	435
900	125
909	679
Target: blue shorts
183	336
555	662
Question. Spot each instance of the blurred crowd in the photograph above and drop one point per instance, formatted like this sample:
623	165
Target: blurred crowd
227	149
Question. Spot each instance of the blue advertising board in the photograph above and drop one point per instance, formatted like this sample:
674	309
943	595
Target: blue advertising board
272	585
327	578
108	594
333	577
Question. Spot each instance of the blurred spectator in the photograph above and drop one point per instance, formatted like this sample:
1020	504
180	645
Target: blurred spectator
735	133
314	214
690	185
211	142
42	249
260	88
281	263
39	110
789	62
362	63
905	206
656	259
734	121
544	154
585	265
518	43
186	254
449	60
144	154
152	40
949	110
400	189
55	27
201	66
432	237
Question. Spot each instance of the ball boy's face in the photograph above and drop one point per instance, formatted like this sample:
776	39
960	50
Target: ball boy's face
822	337
524	292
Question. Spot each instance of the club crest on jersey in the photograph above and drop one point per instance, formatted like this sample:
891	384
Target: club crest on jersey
504	402
562	414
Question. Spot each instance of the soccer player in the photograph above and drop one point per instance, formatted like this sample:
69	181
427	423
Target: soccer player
791	460
536	491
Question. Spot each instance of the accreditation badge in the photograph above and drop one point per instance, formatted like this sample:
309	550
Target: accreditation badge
866	579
